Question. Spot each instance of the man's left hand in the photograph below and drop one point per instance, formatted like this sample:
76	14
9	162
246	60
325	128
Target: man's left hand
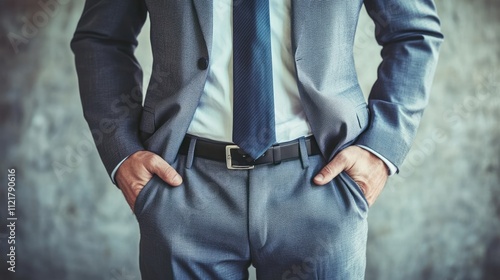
366	169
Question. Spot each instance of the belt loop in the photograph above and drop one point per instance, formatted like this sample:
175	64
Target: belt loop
190	153
276	154
303	153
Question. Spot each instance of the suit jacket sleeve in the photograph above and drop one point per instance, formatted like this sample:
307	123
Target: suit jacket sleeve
110	78
409	33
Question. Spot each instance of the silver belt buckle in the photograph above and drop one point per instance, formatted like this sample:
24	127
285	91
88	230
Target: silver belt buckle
229	162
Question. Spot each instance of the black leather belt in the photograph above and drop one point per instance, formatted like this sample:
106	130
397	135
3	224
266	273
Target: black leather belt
236	158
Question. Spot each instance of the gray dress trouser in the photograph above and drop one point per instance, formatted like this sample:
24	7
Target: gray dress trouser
220	221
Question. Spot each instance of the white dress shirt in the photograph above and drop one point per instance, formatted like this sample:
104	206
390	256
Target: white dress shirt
214	117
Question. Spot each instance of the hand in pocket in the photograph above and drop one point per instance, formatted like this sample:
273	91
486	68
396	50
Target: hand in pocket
138	169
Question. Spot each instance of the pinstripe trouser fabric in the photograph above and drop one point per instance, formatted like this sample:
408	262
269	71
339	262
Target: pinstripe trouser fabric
220	221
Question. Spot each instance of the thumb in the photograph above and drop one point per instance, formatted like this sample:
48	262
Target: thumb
332	169
163	170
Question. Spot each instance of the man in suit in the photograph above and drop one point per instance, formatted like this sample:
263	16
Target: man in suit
277	78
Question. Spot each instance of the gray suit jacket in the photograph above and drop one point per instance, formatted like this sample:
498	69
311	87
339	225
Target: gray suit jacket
322	41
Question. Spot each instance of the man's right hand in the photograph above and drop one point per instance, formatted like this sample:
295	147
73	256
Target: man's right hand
138	169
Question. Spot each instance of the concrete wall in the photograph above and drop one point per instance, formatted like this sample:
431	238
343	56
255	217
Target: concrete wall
438	219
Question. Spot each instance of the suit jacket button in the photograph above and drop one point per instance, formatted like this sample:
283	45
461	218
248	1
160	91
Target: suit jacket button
203	63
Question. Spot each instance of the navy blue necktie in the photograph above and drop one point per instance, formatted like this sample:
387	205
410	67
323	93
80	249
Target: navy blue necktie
253	103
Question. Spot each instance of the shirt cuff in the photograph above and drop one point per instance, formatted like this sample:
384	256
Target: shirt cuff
392	168
116	169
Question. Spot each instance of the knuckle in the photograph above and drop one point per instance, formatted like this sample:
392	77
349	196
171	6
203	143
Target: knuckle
139	155
151	159
170	171
136	189
342	157
363	186
328	169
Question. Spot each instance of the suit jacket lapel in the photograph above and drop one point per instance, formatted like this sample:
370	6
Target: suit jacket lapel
204	10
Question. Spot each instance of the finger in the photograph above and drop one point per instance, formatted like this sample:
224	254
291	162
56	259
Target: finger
331	170
166	172
136	190
130	196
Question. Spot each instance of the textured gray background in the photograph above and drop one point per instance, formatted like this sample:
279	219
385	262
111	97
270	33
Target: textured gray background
438	219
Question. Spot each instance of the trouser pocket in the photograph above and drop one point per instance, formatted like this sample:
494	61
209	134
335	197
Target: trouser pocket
143	195
355	190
